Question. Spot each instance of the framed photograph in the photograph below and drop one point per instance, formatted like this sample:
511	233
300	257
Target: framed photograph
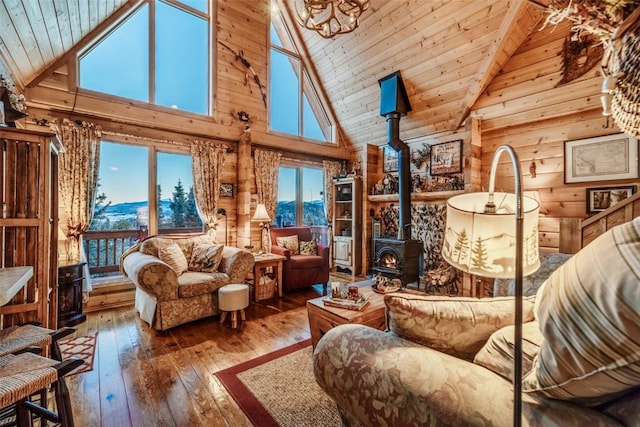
446	158
603	158
599	199
389	159
226	190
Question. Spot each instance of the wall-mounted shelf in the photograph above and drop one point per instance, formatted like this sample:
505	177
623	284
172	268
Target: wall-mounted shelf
429	196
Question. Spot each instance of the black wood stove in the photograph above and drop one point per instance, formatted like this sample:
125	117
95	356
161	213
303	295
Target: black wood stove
400	258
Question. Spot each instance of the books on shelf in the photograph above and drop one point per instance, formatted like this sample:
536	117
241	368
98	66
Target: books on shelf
349	304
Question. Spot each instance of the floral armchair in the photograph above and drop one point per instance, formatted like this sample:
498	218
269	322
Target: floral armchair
177	277
448	361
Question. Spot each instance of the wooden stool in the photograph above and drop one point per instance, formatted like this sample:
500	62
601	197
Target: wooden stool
233	298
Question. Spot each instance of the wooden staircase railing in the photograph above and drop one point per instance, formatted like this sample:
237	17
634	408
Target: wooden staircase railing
620	213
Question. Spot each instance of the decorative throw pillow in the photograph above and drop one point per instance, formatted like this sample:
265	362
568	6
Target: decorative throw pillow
309	248
458	326
497	354
589	317
174	256
205	258
289	242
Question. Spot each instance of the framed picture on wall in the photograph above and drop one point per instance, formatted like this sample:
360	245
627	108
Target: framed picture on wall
226	190
599	199
446	158
389	159
603	158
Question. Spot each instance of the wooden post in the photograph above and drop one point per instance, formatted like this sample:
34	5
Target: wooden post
245	166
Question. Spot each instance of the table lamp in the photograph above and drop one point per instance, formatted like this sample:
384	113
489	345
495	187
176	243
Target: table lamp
496	235
263	218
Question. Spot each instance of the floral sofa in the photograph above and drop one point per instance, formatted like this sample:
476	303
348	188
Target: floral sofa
177	277
448	361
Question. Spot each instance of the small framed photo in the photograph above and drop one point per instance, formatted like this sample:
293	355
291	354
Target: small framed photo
604	158
446	158
226	190
599	199
389	159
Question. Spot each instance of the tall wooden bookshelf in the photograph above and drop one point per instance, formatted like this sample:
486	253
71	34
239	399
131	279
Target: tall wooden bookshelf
347	225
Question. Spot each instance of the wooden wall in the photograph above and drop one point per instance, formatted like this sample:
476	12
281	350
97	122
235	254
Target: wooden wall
241	26
525	107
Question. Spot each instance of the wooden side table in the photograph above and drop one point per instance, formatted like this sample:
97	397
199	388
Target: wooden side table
323	317
70	277
262	262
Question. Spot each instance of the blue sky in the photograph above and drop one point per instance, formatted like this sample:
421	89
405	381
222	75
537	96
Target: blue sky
124	171
119	65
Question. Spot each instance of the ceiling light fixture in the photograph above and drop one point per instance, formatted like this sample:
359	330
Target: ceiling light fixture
330	17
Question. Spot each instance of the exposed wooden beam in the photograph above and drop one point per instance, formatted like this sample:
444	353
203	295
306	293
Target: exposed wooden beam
507	42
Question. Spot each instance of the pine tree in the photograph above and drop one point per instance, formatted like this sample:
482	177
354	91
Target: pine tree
178	206
192	217
462	244
100	221
479	255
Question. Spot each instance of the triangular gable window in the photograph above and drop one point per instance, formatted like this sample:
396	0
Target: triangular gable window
295	108
168	66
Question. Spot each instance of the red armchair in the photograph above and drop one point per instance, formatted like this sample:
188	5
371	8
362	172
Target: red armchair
300	271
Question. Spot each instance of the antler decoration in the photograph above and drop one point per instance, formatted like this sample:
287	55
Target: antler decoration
240	57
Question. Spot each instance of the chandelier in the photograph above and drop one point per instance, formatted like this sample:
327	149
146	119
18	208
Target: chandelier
330	17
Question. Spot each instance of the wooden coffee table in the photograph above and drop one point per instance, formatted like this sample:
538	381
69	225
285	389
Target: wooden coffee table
322	317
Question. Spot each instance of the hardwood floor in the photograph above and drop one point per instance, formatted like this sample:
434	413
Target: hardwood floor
145	378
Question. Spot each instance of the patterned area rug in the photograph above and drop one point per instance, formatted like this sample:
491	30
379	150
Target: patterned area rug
279	389
80	347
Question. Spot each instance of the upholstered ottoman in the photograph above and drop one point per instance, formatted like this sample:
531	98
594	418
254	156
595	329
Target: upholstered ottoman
233	298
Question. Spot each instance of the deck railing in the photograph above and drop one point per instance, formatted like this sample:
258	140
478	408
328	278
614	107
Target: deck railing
105	247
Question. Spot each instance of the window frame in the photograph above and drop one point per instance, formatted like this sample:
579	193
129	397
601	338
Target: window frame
306	77
209	17
153	147
299	198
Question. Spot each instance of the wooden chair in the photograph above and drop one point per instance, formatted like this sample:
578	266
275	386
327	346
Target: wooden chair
26	374
16	339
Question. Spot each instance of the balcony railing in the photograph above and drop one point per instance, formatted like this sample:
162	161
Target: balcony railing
105	247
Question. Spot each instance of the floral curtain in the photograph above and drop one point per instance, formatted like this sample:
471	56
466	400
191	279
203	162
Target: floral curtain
207	160
267	165
331	169
78	179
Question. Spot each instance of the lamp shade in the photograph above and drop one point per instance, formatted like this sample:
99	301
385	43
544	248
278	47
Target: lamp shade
261	214
484	244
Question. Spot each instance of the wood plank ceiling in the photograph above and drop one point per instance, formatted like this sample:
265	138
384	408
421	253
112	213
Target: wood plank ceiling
447	51
34	34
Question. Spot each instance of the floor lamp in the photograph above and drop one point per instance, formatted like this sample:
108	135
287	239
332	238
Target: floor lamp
264	219
480	235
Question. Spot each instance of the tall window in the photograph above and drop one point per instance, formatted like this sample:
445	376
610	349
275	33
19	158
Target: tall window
295	108
300	197
160	54
125	181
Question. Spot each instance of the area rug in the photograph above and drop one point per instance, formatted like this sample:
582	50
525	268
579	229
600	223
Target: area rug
81	347
279	389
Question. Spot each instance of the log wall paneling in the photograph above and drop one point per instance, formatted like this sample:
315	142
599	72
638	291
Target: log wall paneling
28	225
